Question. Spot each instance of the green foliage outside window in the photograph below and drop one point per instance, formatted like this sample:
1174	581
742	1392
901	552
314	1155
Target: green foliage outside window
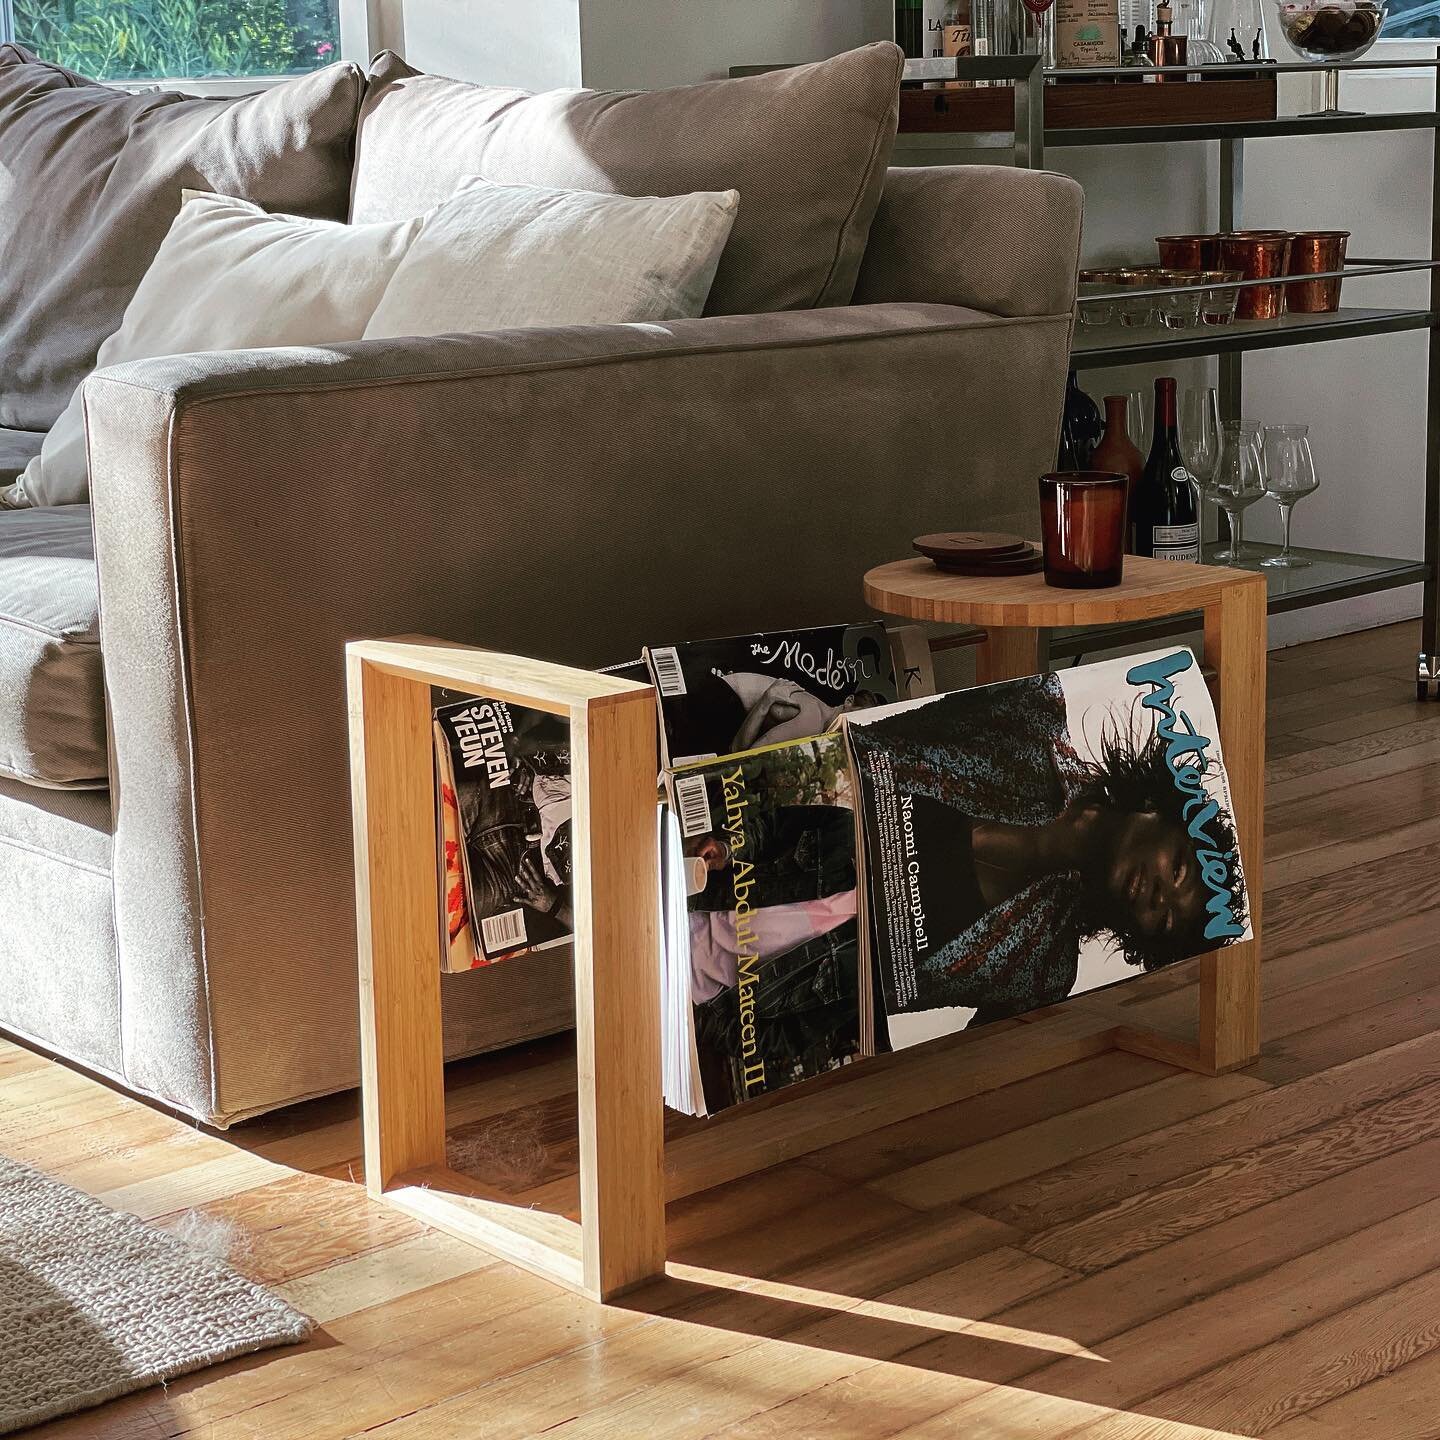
135	40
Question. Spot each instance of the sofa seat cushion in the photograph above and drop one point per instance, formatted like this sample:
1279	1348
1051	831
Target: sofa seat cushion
52	701
17	449
806	148
90	179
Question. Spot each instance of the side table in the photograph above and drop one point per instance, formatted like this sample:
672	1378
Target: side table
1014	609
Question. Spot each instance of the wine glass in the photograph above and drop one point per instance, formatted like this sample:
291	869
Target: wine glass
1200	432
1237	482
1289	478
1139	405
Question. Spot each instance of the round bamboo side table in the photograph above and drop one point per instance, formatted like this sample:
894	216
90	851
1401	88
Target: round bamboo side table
1014	609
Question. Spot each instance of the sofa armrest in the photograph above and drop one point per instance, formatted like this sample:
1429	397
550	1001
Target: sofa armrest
569	494
993	237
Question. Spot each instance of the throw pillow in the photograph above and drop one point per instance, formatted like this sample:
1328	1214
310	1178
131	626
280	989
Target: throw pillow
90	179
230	277
496	256
806	148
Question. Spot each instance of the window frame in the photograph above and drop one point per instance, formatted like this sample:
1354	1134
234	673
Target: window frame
363	23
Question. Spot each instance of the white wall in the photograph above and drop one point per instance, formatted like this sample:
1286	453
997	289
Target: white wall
1364	399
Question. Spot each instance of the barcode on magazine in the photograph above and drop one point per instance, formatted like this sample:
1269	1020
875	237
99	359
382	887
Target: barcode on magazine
668	674
694	805
503	932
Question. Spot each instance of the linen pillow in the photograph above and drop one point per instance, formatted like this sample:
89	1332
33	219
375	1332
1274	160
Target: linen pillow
90	179
806	148
230	277
496	256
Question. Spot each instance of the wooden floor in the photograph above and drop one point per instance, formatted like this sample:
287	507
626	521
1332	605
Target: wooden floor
1113	1249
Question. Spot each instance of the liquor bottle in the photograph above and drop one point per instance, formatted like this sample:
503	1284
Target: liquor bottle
910	27
1166	47
1080	427
1165	518
1116	451
1087	32
955	37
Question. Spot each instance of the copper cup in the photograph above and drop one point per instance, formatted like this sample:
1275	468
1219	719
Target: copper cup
1311	253
1188	252
1257	255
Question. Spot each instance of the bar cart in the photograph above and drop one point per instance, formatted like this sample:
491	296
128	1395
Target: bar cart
1011	108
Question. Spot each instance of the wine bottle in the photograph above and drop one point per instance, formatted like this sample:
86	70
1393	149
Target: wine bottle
1165	519
910	27
1080	426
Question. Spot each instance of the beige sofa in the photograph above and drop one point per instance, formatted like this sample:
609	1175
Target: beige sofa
175	851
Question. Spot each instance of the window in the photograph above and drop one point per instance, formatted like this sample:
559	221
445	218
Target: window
1412	20
140	40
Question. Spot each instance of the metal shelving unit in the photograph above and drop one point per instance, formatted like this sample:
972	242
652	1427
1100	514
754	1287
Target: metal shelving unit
1334	575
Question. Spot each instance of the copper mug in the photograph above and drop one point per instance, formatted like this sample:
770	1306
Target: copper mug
1188	252
1312	252
1257	255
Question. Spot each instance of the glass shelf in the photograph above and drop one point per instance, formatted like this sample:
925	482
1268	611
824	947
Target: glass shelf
1332	575
1095	346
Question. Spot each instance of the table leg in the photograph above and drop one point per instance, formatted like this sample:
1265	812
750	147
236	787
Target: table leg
1007	654
1230	978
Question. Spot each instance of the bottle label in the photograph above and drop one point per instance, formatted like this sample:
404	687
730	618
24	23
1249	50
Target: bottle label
1175	542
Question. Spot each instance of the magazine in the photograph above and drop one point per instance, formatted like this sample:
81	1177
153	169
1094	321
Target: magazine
762	961
508	769
1030	840
724	697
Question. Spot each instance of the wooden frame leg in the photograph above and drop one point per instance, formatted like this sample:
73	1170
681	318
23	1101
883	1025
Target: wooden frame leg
1235	632
619	1240
617	996
401	1055
1007	654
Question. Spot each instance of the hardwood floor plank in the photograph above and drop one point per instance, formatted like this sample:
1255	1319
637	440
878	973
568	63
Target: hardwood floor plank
1152	1218
1321	1362
1098	1182
1403	1405
1165	1355
1034	1149
892	1148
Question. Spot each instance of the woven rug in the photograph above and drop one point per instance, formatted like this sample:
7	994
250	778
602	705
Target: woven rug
94	1304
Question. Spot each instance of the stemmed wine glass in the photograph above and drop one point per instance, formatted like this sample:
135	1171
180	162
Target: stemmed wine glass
1239	482
1200	433
1289	478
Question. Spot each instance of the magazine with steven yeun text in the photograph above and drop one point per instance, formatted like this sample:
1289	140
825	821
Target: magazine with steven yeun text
504	775
1029	840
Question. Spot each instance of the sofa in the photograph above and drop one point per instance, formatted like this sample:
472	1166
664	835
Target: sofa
885	354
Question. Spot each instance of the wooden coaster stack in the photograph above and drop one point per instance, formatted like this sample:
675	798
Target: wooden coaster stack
976	552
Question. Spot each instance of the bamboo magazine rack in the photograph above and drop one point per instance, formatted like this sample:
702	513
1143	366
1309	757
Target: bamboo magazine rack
626	1170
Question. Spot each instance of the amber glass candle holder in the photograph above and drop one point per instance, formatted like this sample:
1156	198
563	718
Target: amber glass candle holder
1082	521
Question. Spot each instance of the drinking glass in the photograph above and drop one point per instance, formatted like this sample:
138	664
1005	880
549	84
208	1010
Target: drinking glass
1289	478
1237	482
1139	406
1200	431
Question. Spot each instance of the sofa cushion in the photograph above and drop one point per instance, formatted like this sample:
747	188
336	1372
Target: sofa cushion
17	449
52	703
91	179
805	147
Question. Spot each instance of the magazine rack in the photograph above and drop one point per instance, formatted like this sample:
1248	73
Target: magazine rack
626	1170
